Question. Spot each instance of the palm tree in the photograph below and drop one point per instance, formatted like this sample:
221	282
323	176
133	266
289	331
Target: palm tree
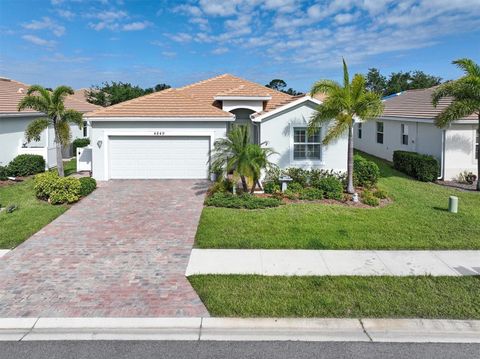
51	103
237	154
465	95
344	104
258	161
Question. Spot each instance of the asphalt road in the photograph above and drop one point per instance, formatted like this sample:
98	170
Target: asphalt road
210	350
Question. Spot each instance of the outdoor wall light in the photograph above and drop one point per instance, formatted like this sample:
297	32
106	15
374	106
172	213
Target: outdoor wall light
99	143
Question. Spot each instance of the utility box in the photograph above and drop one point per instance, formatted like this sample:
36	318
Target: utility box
84	159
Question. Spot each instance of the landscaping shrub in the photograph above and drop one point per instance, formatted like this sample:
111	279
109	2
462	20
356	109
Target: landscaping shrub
26	165
298	175
311	194
221	185
331	187
422	167
78	143
3	173
246	201
87	186
294	187
271	187
365	172
316	175
291	194
381	194
369	199
273	174
49	186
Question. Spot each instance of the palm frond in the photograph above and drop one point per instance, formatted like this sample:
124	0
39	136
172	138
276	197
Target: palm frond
455	111
73	116
324	87
358	86
369	105
41	90
35	129
60	93
338	129
322	115
468	66
346	77
33	102
444	90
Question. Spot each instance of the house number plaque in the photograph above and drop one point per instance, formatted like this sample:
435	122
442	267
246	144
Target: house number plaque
159	133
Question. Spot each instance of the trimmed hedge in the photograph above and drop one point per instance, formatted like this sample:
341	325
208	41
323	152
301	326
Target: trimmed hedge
365	172
79	142
331	187
422	167
87	185
247	201
26	165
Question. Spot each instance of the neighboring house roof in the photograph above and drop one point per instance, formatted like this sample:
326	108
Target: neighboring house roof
416	104
195	100
11	92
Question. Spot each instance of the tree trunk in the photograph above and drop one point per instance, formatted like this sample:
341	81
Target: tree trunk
478	155
244	184
255	182
58	148
350	188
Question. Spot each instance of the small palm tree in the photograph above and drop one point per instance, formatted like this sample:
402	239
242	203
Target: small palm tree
344	104
51	103
237	154
465	94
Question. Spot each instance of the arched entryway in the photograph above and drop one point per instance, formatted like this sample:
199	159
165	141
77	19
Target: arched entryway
242	117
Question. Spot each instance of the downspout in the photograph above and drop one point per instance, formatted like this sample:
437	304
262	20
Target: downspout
442	156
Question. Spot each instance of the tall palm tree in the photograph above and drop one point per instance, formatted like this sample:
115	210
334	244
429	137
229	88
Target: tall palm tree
465	94
237	154
51	103
344	105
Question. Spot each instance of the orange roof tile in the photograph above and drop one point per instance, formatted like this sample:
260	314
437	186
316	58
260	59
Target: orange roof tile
11	92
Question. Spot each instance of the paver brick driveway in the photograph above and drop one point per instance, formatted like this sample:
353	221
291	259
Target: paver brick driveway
120	252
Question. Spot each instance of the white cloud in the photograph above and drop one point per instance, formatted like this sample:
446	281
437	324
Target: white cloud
220	51
169	53
67	14
345	18
188	9
180	37
38	40
137	25
45	23
219	7
59	57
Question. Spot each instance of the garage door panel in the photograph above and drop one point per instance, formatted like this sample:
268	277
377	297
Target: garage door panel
159	157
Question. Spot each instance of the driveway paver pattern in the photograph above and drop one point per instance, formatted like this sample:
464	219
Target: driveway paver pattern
120	252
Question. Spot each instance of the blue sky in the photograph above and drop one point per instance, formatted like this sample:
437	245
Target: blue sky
82	42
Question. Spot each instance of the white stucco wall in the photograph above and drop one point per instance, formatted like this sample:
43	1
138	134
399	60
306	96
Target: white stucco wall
100	131
422	137
460	150
278	132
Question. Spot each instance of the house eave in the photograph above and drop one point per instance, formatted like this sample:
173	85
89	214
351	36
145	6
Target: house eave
161	119
243	98
280	109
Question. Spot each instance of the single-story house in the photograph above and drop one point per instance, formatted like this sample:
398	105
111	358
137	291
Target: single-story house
407	124
170	134
13	124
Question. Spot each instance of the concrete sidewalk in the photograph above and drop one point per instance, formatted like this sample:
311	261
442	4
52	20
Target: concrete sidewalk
274	262
237	329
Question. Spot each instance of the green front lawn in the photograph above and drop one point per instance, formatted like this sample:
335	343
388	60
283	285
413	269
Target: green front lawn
31	216
417	219
354	297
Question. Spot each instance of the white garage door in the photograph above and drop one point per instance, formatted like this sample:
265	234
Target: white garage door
159	157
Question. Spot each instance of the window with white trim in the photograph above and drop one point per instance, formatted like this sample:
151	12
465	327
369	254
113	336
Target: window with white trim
85	129
306	147
379	132
359	130
404	136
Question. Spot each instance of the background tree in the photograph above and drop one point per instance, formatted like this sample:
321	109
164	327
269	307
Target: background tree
399	81
51	103
280	85
376	82
344	104
465	94
112	93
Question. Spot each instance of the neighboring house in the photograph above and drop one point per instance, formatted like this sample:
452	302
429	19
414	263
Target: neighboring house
170	134
407	124
14	123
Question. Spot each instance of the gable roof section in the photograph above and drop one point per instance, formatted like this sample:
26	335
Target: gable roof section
416	104
167	103
194	100
11	92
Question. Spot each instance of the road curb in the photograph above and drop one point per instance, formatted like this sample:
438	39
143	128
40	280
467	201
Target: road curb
240	329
